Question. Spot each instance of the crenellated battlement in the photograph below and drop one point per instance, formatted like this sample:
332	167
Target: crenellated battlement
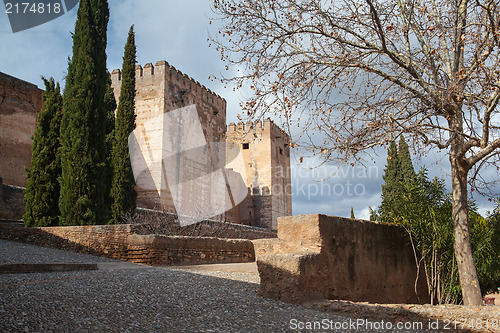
258	127
242	128
163	70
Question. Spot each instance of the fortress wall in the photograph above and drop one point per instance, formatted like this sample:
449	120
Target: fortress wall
328	257
20	103
162	88
257	164
171	250
149	103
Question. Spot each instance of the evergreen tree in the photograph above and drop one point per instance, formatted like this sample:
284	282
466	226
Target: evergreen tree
122	191
110	106
491	270
42	186
392	177
352	213
424	207
408	174
83	130
373	214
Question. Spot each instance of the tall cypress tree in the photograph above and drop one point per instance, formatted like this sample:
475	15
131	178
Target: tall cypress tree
110	106
123	193
392	178
42	186
399	175
408	174
83	130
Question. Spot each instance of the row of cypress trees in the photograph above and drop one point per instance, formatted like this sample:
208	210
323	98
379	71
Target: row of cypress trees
81	172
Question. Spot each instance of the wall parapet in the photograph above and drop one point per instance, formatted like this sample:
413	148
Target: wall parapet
207	228
242	129
318	256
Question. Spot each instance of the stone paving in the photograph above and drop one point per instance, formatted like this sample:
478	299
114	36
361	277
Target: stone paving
124	297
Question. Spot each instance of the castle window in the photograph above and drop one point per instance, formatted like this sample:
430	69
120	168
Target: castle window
281	151
246	145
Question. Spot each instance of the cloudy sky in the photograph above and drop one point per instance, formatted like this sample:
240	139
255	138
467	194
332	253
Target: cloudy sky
177	31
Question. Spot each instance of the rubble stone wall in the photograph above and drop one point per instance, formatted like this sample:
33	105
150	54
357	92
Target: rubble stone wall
122	242
319	256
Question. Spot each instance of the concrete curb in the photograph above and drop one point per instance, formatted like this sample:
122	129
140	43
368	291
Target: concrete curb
44	268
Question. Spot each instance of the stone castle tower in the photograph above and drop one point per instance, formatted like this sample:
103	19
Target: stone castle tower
161	91
266	165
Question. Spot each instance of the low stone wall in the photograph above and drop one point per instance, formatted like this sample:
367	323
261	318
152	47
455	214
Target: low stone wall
318	257
168	250
11	202
122	241
110	240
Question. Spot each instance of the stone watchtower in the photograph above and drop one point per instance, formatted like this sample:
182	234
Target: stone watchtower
266	165
161	89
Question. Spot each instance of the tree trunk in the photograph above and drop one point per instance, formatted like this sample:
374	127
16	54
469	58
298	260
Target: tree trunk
463	250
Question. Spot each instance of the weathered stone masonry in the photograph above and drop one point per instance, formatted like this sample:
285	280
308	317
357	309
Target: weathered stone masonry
11	202
327	257
122	242
20	103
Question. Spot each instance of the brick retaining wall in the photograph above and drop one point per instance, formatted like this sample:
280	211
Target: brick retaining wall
121	241
109	240
167	250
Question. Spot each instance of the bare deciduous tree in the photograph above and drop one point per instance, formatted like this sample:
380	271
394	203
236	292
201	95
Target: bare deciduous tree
354	74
